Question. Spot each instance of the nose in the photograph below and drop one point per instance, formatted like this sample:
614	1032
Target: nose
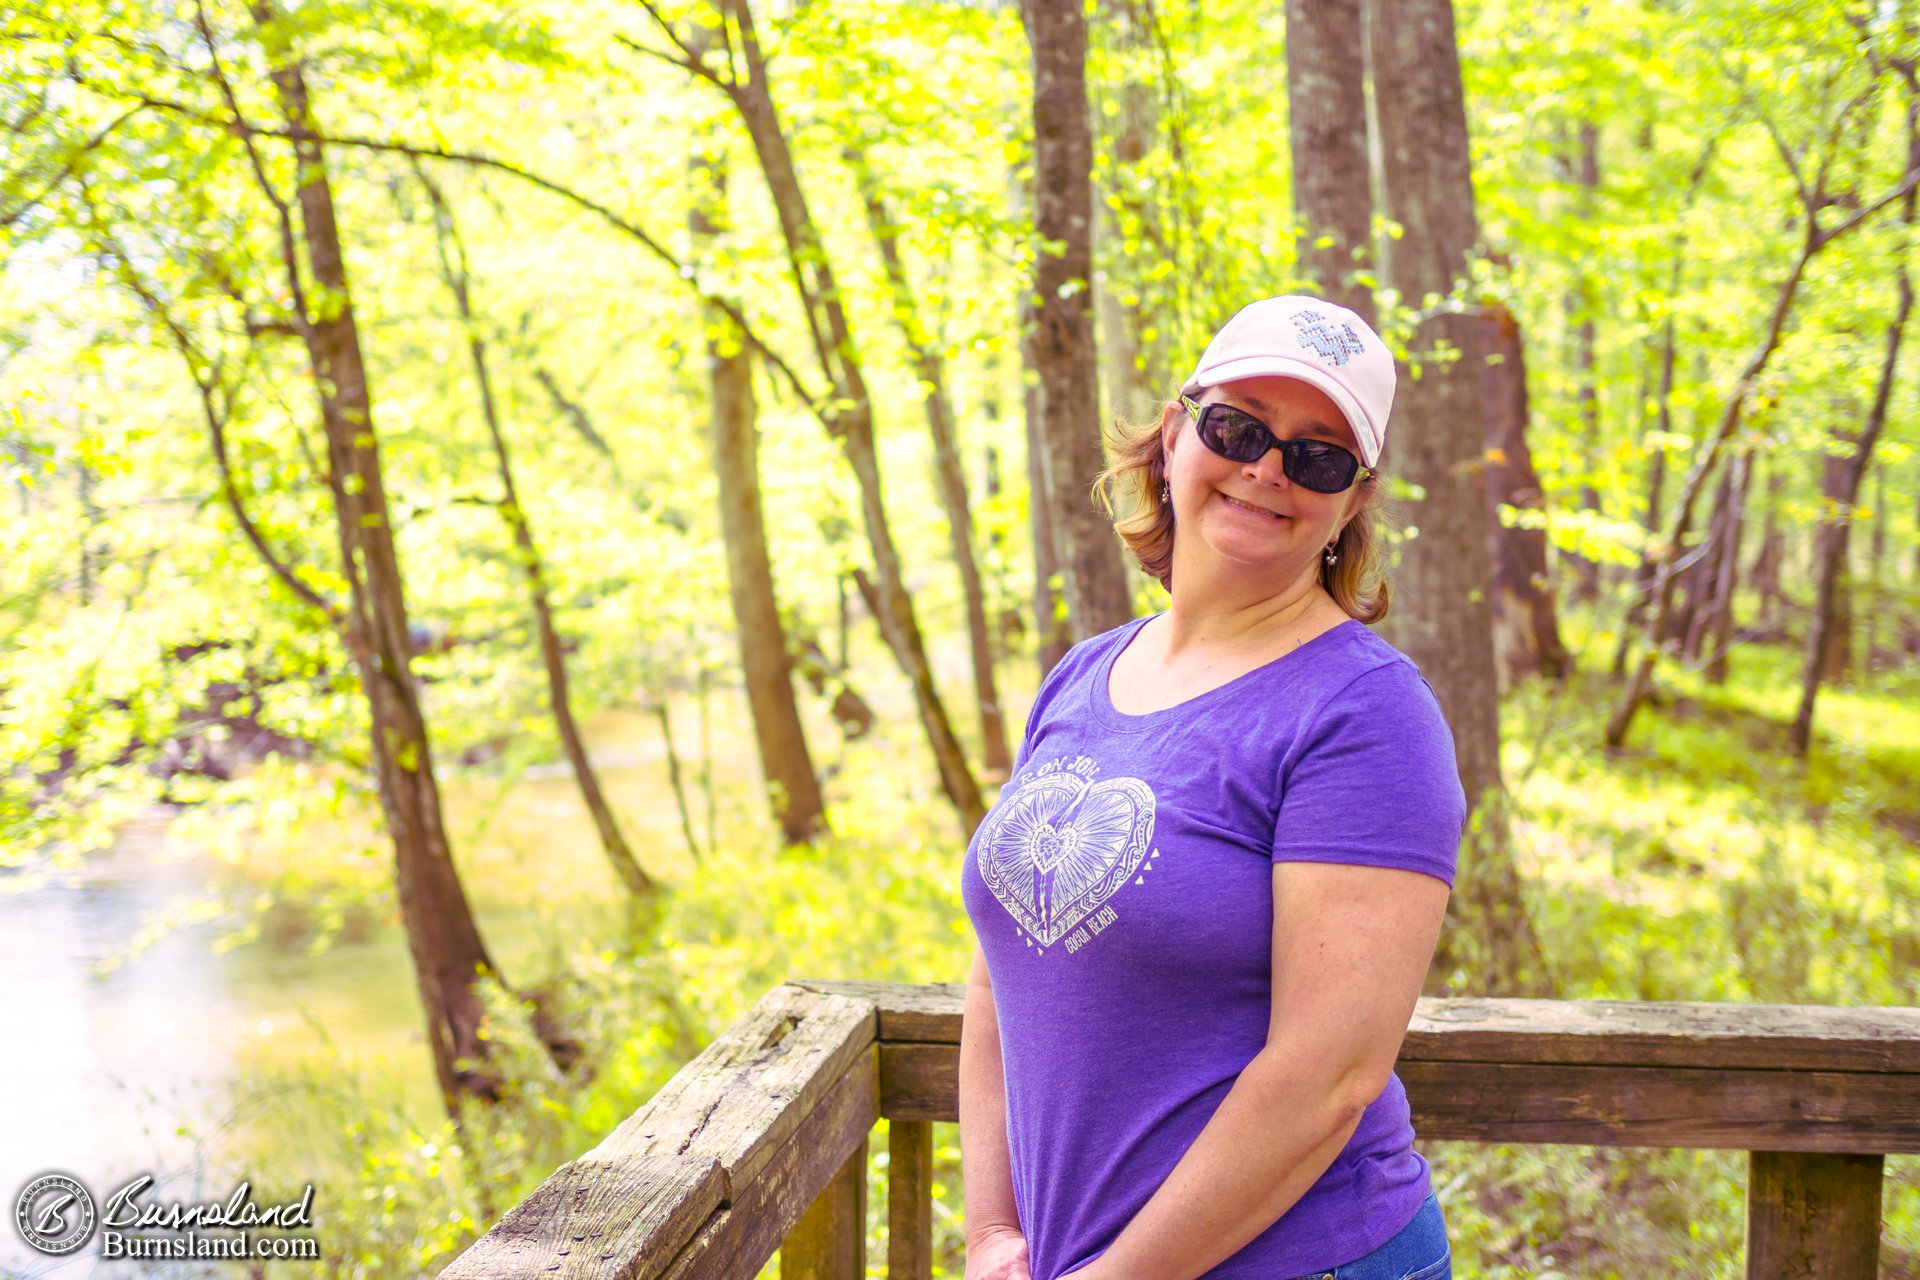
1269	469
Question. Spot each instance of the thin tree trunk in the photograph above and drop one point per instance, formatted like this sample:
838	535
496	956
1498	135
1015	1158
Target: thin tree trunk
1052	634
1814	240
1642	584
852	415
1526	628
1841	489
793	788
1582	303
1727	578
674	779
1442	613
952	479
1703	581
1327	125
1765	573
613	842
1093	575
706	760
1644	575
1876	560
449	957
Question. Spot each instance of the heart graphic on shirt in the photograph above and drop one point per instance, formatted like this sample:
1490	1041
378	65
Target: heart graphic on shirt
1059	847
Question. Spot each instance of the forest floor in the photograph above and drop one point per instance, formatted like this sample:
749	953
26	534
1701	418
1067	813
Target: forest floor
1702	862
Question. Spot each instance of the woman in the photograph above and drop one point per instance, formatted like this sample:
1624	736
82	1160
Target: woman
1208	895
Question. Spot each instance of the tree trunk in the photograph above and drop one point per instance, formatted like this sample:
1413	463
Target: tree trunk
1876	564
1719	635
675	776
1840	487
1128	233
1443	608
852	414
951	477
793	788
449	957
1526	628
1703	579
1581	304
613	842
1092	572
1643	574
1666	580
1765	573
1814	239
1052	637
1327	129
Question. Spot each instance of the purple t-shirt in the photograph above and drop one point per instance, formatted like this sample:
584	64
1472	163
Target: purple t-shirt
1122	892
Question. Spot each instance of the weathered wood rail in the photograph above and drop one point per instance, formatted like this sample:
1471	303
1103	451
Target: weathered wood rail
760	1144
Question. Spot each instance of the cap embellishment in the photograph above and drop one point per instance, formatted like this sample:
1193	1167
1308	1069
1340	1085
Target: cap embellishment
1338	345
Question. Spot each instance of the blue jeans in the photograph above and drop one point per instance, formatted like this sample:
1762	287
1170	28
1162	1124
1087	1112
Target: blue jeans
1419	1252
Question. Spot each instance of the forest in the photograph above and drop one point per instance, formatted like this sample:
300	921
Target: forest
528	525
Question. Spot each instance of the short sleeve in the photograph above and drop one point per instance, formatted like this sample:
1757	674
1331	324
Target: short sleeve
1374	782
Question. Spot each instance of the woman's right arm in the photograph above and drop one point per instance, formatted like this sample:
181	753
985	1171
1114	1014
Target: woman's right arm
996	1247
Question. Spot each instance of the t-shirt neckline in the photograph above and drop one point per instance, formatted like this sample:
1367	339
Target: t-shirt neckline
1100	700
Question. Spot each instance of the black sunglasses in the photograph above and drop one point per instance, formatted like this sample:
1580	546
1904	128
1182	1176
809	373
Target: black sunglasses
1236	434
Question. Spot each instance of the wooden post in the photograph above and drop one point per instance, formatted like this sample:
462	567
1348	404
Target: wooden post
1813	1216
910	1200
830	1240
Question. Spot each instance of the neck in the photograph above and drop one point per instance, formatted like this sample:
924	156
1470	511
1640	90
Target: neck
1224	605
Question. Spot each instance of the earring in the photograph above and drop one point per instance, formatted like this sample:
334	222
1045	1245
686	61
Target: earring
1332	557
1166	491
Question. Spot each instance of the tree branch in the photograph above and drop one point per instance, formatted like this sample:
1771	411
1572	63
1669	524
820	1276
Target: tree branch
20	211
479	160
206	380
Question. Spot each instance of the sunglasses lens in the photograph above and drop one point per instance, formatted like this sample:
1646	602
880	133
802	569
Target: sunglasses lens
1241	437
1324	468
1233	434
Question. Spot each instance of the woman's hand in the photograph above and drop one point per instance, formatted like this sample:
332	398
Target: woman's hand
999	1254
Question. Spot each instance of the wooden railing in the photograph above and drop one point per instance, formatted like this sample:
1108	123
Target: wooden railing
760	1143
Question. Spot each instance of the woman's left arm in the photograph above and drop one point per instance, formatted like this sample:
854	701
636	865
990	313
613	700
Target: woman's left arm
1351	945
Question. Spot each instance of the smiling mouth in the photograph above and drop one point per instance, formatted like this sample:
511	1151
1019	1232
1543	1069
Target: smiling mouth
1248	506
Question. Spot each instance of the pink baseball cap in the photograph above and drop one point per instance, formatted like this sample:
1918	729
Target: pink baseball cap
1319	343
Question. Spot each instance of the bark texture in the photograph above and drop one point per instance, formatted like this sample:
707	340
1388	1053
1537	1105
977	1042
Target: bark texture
1526	626
851	417
449	957
1327	126
1442	614
1130	237
1093	575
786	764
950	477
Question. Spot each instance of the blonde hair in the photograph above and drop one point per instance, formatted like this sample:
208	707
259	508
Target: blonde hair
1131	487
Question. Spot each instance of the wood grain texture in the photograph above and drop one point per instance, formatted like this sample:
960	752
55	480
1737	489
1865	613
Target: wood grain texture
616	1219
627	1207
1813	1217
744	1095
1601	1105
1664	1107
737	1241
920	1081
830	1240
1618	1032
1631	1033
929	1012
909	1200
